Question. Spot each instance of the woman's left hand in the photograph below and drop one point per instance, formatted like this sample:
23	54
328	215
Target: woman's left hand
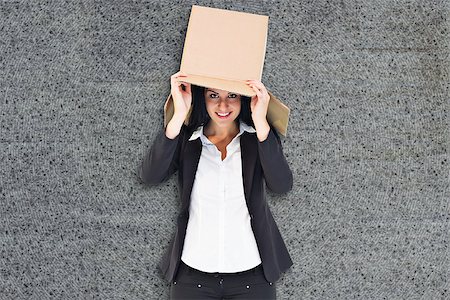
260	102
259	105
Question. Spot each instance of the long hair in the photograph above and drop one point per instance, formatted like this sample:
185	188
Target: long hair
199	115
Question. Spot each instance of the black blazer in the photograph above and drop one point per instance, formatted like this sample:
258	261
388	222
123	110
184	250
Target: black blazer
261	162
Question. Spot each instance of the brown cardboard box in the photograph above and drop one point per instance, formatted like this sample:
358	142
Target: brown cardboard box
222	49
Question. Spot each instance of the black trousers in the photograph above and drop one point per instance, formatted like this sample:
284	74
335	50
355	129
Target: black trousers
191	283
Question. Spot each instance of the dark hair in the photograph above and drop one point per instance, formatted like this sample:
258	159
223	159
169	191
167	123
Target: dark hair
199	115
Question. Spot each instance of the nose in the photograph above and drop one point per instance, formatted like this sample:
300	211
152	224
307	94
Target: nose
223	102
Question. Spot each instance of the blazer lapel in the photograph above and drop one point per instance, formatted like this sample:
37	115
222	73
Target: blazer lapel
248	154
191	158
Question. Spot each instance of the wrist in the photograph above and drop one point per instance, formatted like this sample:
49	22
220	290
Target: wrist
178	118
260	122
262	129
173	128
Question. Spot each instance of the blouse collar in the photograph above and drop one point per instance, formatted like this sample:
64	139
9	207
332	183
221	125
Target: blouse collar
198	133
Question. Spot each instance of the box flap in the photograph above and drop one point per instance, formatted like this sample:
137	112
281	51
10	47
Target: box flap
235	86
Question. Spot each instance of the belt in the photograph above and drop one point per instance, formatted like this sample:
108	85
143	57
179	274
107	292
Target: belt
215	274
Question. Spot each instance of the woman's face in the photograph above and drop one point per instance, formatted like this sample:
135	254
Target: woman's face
223	107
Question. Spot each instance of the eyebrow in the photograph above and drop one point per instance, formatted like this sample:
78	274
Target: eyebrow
208	90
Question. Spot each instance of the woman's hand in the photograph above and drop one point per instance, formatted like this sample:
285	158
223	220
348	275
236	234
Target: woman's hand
259	105
182	99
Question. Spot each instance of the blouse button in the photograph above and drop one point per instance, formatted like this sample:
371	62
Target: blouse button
199	285
270	283
248	286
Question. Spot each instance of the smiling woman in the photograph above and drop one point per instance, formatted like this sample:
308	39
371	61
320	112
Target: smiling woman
227	244
225	105
219	110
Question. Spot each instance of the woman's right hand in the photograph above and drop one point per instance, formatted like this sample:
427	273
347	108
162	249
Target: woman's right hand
182	99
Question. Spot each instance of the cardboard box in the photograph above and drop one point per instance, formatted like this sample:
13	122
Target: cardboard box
222	49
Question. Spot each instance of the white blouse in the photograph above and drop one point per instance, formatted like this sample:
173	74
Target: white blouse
219	237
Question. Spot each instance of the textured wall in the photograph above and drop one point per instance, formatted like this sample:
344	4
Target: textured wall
82	88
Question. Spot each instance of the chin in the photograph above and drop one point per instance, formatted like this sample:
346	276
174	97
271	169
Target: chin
225	121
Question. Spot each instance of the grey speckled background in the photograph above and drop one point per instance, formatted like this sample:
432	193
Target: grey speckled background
82	87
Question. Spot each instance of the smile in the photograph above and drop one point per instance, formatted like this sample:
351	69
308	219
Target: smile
223	115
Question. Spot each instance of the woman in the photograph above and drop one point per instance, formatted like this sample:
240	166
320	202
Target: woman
227	244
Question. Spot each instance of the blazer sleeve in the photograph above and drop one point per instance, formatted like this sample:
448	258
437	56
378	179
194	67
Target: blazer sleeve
162	160
277	174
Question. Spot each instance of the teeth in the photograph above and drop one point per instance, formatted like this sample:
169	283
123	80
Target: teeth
223	115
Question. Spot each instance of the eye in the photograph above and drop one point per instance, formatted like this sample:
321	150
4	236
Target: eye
232	95
212	95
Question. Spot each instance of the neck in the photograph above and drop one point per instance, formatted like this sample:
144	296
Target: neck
213	129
